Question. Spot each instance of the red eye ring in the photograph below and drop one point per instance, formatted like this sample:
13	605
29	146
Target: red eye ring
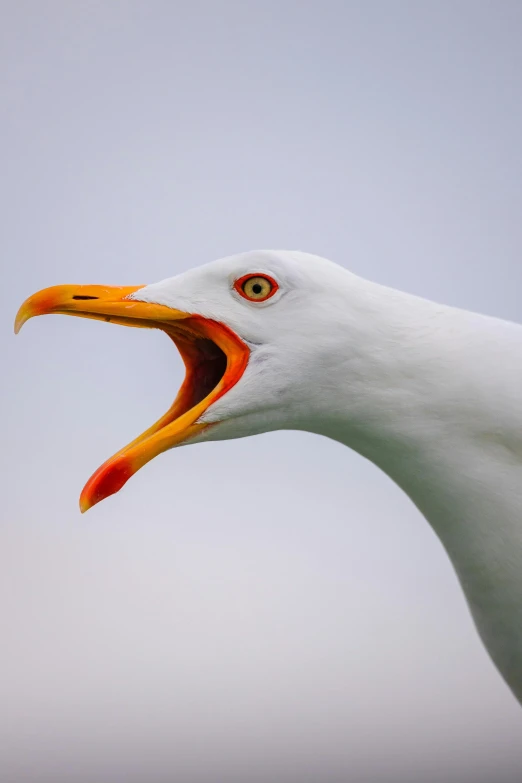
241	286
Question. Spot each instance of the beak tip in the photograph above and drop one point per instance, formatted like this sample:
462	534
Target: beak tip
20	320
84	505
34	305
107	480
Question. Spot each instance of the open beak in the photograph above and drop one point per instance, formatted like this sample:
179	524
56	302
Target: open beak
214	357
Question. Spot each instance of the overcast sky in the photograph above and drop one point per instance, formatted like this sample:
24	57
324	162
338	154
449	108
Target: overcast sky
183	630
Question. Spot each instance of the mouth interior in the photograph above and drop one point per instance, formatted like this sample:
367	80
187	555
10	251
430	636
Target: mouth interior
214	360
205	363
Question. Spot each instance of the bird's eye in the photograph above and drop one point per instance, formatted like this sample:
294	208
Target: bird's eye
256	288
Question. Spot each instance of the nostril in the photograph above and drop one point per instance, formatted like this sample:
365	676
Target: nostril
86	297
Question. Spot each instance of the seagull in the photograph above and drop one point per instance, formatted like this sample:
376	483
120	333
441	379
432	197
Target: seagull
430	394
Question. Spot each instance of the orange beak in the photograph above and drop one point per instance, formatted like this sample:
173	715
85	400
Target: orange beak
214	357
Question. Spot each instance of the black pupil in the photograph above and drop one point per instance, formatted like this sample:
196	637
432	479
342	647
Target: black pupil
257	288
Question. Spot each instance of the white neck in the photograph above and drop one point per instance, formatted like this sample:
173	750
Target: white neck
434	399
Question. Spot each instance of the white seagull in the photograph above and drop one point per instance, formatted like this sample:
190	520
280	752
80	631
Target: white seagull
288	340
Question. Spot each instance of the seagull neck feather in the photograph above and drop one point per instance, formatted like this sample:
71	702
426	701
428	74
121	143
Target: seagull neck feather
431	395
412	380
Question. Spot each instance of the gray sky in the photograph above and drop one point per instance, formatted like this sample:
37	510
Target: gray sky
181	631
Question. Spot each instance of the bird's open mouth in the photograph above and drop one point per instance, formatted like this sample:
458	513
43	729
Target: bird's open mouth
214	357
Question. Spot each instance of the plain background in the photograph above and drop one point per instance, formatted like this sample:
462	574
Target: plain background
272	609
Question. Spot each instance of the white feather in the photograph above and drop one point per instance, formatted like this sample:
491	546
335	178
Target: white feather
431	394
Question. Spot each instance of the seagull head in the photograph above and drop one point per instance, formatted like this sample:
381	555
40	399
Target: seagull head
258	335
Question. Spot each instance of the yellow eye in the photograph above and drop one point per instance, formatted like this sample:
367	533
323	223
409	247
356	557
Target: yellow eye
257	288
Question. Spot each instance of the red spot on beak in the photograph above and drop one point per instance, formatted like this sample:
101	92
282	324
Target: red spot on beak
107	480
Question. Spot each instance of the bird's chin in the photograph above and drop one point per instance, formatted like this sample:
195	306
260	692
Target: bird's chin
215	358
